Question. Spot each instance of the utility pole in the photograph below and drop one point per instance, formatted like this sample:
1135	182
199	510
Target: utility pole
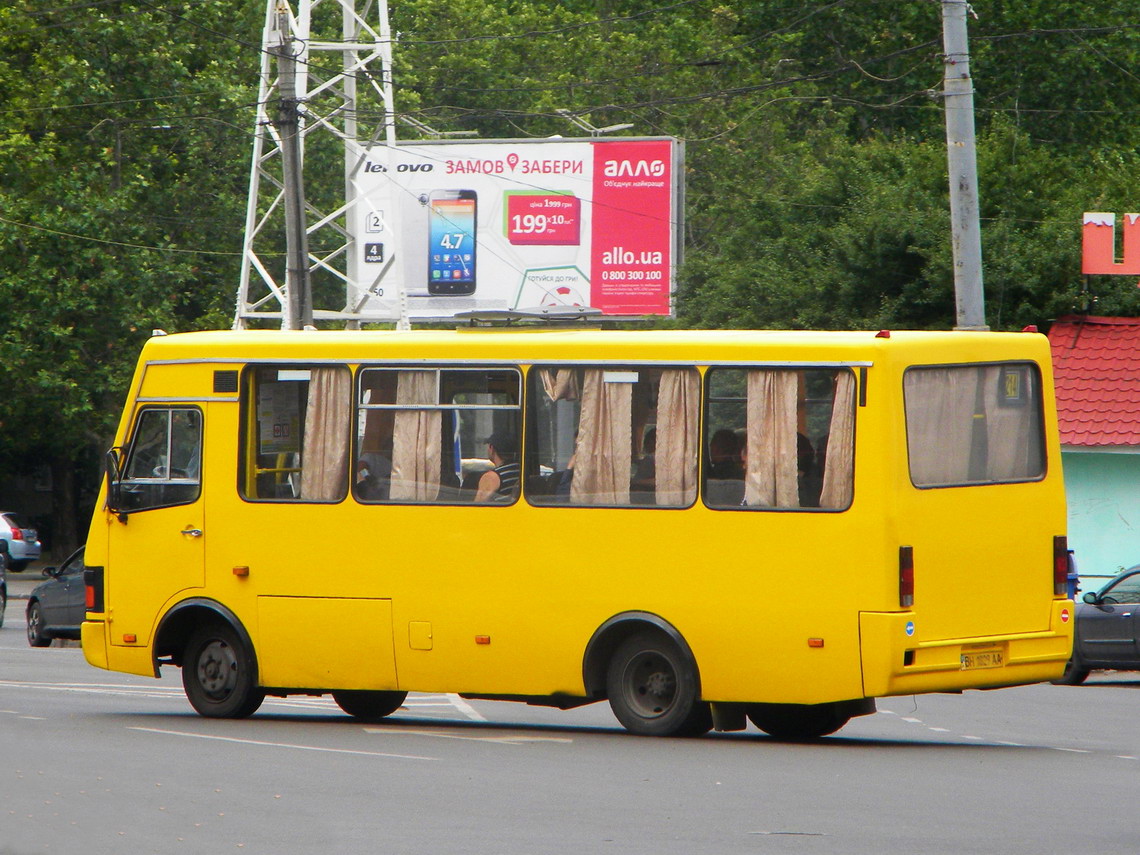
298	294
961	153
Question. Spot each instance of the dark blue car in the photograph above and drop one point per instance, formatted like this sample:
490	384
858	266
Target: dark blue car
57	606
1107	629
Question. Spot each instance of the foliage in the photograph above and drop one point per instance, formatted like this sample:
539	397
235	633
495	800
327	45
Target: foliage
816	176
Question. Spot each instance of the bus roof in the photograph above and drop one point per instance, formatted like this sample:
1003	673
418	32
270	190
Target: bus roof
531	344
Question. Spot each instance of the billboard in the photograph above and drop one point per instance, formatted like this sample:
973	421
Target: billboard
448	227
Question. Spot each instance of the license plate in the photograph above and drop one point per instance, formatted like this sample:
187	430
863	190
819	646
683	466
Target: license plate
982	659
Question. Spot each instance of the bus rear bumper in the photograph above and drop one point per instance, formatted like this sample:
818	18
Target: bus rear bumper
98	652
94	640
899	662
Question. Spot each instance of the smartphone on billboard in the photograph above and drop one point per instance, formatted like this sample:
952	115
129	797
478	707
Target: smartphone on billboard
451	242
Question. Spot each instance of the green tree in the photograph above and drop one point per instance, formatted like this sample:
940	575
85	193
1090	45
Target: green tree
121	181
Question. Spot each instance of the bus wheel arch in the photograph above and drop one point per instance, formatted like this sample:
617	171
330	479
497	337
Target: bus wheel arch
215	652
644	666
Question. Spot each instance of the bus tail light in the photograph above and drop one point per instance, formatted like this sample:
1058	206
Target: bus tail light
93	588
906	576
1060	566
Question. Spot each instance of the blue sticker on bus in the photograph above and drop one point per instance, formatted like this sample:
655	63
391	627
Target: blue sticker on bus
910	627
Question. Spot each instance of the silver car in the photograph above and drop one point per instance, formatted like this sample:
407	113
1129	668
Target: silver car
3	584
23	540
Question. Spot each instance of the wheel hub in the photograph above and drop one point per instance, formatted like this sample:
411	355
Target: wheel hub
217	669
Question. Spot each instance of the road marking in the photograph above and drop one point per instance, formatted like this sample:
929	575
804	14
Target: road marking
465	708
451	702
291	745
514	739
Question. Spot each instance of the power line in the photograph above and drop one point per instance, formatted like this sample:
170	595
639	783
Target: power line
106	242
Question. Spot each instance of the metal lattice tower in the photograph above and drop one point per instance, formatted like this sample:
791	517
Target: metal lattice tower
343	88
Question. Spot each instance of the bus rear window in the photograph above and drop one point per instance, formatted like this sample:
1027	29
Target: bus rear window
974	424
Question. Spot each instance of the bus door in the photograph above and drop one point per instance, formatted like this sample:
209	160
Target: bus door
156	531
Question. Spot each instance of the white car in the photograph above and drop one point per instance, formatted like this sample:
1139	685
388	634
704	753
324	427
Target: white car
23	540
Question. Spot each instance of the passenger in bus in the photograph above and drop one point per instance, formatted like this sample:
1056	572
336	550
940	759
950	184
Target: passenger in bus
502	482
373	476
645	472
810	470
725	449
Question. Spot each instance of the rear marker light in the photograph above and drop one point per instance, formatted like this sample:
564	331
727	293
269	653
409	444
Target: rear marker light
906	576
89	598
815	642
1060	566
482	639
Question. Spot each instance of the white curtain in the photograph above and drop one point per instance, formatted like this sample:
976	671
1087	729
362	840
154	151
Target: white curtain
839	468
416	451
604	448
678	402
771	476
560	384
939	423
324	473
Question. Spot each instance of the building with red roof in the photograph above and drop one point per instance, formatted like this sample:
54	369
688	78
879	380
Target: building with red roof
1096	365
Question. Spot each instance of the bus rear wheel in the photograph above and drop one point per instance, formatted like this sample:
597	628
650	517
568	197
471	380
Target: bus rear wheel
653	690
369	706
798	721
1075	673
218	674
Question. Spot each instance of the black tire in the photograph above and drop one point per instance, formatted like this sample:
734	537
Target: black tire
653	690
1074	674
219	674
18	566
798	721
369	706
36	636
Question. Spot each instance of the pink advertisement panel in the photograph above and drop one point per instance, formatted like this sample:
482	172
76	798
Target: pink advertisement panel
449	228
631	254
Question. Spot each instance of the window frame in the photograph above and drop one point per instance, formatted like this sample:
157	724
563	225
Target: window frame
125	481
249	437
708	399
439	368
533	393
1038	413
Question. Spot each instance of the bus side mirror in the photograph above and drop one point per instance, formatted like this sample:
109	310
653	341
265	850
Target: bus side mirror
114	487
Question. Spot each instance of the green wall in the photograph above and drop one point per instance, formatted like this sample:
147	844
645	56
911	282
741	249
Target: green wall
1103	490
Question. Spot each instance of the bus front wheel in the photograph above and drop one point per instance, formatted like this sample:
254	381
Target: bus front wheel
369	706
218	674
653	690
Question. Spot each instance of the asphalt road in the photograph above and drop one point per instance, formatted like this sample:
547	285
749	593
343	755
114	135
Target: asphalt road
99	762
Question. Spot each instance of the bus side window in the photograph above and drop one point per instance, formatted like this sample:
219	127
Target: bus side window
422	433
779	438
297	432
164	460
613	437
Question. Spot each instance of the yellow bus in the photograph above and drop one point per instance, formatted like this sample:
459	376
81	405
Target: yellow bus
701	527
